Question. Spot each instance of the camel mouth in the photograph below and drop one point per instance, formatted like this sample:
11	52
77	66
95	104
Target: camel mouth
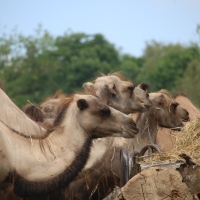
129	133
186	120
148	105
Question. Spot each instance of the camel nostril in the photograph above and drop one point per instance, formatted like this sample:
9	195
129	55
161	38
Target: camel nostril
148	105
186	119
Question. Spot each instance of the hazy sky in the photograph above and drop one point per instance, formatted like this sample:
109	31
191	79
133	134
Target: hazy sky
128	24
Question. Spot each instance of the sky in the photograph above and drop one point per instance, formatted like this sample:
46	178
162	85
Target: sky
128	24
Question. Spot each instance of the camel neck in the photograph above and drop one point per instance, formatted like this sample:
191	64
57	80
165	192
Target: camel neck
25	188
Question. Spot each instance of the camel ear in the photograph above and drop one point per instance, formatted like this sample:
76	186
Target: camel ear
33	112
57	94
82	104
88	86
173	105
144	86
112	89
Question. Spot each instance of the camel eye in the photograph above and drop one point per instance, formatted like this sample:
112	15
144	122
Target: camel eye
175	104
47	110
113	91
104	113
147	95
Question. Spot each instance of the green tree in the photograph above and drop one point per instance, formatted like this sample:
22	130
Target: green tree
81	57
190	83
23	75
131	67
165	64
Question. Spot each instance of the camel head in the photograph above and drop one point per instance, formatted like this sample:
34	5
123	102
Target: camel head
51	106
119	94
47	111
167	111
34	112
183	113
101	120
186	103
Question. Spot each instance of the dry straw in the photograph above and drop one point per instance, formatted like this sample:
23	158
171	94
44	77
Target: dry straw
188	142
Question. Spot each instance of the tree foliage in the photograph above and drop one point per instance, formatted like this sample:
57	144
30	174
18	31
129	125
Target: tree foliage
165	65
190	83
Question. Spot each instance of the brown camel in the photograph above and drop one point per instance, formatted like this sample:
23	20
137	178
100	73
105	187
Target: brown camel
166	137
186	103
165	112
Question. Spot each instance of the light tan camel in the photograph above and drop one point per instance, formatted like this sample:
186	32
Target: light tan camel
44	165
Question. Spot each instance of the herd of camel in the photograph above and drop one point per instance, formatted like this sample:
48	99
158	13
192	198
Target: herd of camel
82	146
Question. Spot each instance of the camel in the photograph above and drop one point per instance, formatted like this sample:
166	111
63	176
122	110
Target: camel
186	103
165	112
166	137
119	94
43	165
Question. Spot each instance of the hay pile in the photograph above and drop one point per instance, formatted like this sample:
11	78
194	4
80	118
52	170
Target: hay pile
188	143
